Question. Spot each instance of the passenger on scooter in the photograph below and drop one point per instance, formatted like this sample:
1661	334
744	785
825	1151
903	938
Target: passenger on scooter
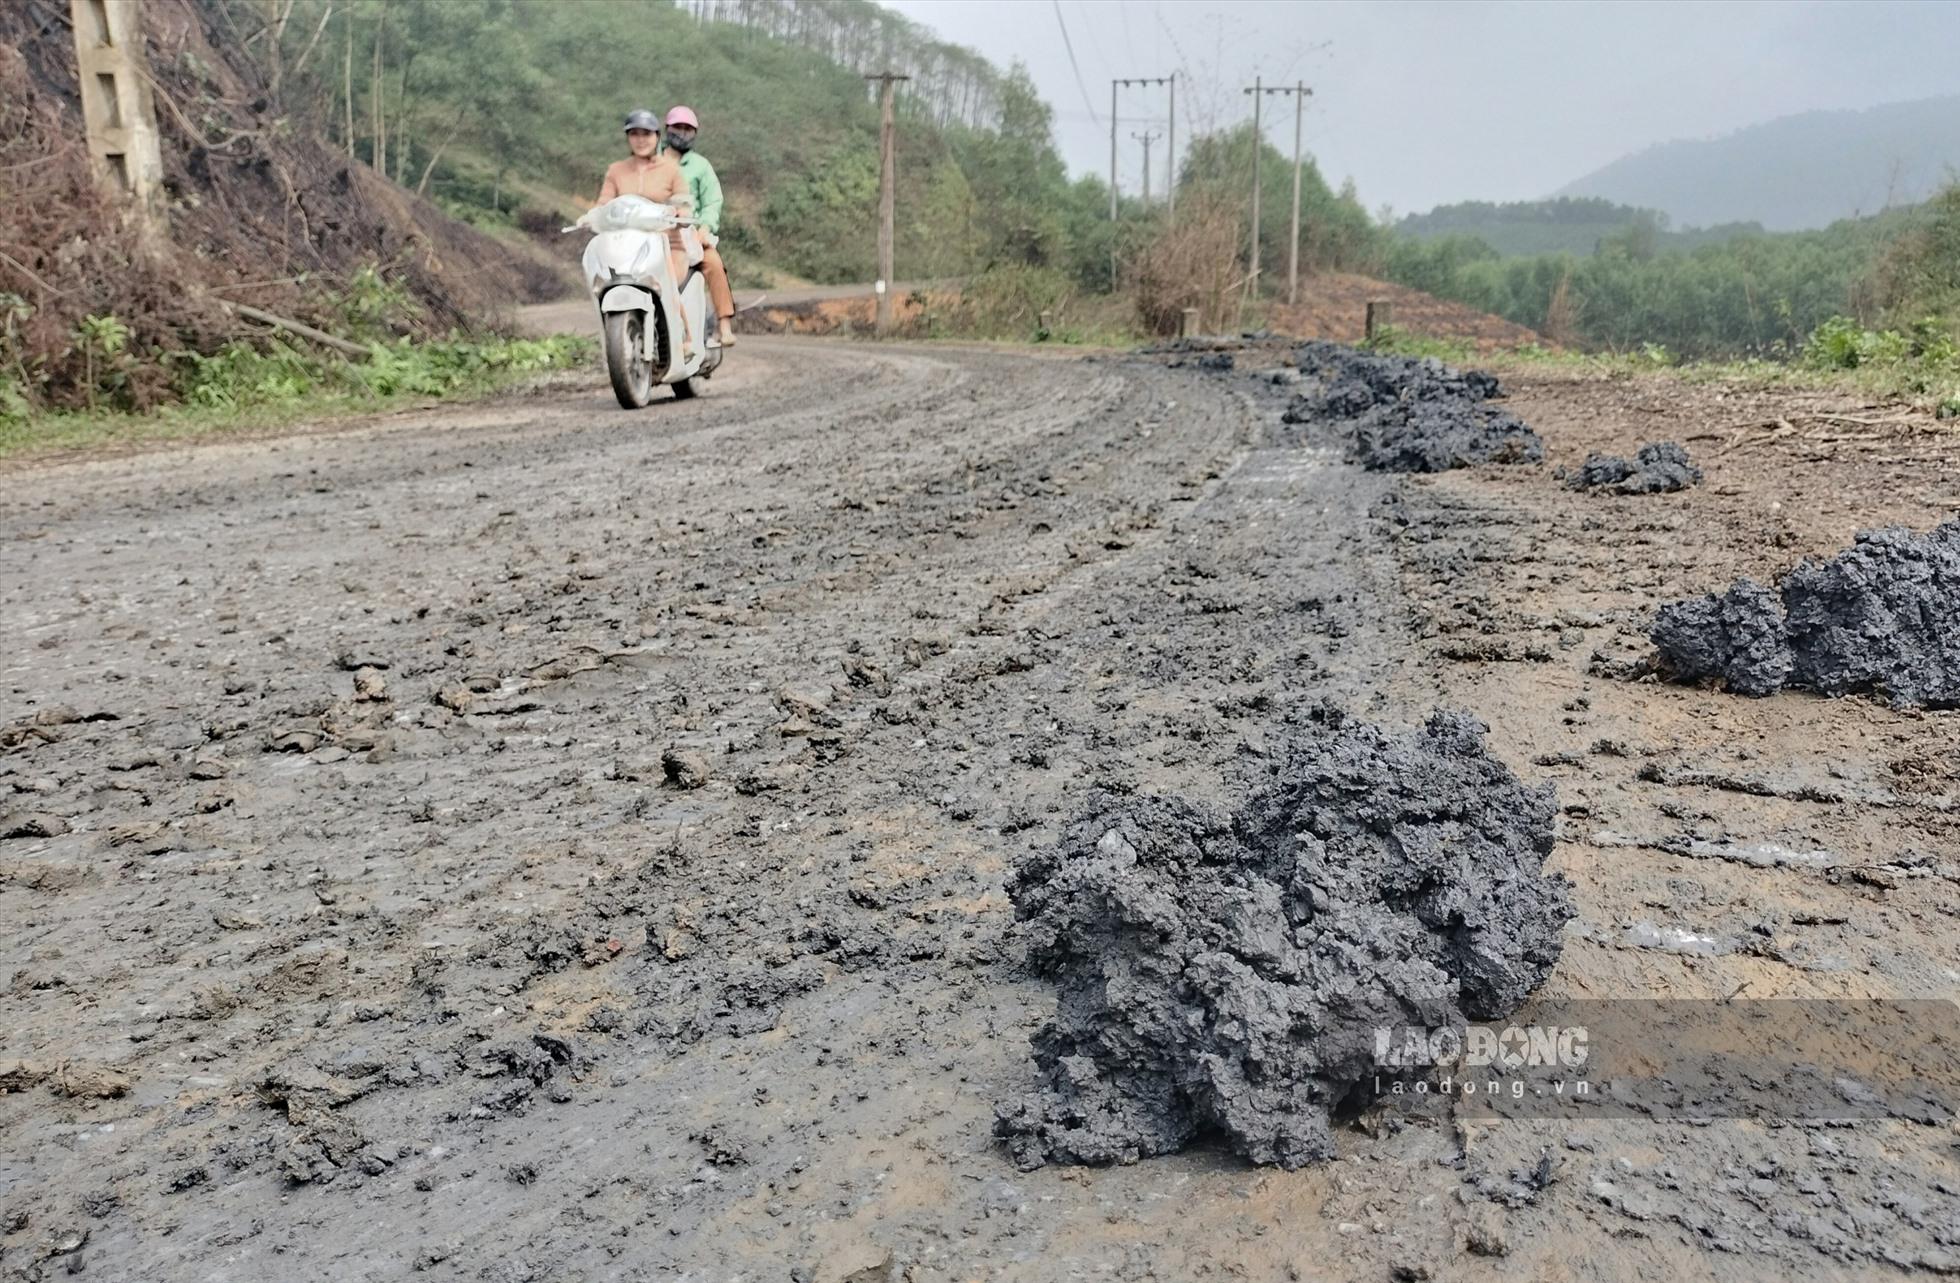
656	175
705	188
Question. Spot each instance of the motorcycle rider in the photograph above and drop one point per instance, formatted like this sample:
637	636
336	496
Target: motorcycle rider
656	175
705	189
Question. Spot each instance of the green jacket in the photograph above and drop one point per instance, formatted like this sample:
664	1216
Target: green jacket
705	188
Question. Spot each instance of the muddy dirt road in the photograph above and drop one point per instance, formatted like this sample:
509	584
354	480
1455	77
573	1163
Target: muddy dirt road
532	842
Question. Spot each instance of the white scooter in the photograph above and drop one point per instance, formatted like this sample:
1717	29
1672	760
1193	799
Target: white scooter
641	307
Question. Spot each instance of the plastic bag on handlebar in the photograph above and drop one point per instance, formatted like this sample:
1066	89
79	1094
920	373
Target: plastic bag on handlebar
632	213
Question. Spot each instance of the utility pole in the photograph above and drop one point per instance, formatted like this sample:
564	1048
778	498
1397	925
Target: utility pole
347	83
1170	149
1146	138
1300	95
1112	183
119	117
887	192
1252	271
1114	85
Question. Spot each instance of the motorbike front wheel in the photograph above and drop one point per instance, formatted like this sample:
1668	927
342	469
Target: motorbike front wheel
626	361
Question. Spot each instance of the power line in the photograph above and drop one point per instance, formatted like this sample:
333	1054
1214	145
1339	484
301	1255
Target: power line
1079	84
1094	42
1183	63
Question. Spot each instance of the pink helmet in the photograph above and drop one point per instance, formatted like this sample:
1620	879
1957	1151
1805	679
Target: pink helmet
683	116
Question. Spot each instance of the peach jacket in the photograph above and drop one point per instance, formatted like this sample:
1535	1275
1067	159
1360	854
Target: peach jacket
658	178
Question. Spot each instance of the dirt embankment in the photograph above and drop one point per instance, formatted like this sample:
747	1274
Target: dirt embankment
255	201
531	841
1334	306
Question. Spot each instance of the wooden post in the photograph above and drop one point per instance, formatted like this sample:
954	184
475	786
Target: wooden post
887	192
1187	323
1381	318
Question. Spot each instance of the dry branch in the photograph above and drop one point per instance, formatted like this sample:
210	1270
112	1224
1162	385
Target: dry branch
296	327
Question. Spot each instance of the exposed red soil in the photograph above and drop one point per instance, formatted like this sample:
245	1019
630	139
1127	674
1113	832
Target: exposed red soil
1334	306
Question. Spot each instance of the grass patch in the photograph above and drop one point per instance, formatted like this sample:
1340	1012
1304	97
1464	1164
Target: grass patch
1019	304
1399	342
1919	366
245	387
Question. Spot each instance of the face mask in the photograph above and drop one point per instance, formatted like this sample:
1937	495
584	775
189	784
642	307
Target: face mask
678	143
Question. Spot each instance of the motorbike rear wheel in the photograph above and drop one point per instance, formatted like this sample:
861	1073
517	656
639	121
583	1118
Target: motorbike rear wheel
626	362
687	389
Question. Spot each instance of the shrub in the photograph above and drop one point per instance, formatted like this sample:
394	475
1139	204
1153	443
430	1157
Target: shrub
1839	344
239	376
1189	262
1007	301
14	405
373	306
102	339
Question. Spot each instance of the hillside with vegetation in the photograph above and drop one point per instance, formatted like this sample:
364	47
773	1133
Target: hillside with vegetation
1797	172
1759	294
263	218
507	113
1561	225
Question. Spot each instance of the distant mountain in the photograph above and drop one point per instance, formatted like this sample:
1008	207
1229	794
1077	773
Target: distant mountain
1793	172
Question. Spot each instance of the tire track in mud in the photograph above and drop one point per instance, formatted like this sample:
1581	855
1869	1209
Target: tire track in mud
900	1035
560	578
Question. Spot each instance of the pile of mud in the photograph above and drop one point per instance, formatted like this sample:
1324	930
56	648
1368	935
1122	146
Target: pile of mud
1660	468
1223	976
1883	617
1409	415
256	200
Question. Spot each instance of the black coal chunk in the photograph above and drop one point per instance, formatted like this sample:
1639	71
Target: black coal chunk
1224	976
1659	468
1882	617
1735	637
1407	414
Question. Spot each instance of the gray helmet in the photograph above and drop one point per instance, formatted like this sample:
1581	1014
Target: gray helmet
641	118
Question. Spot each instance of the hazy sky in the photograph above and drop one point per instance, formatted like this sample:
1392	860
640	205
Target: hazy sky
1428	102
